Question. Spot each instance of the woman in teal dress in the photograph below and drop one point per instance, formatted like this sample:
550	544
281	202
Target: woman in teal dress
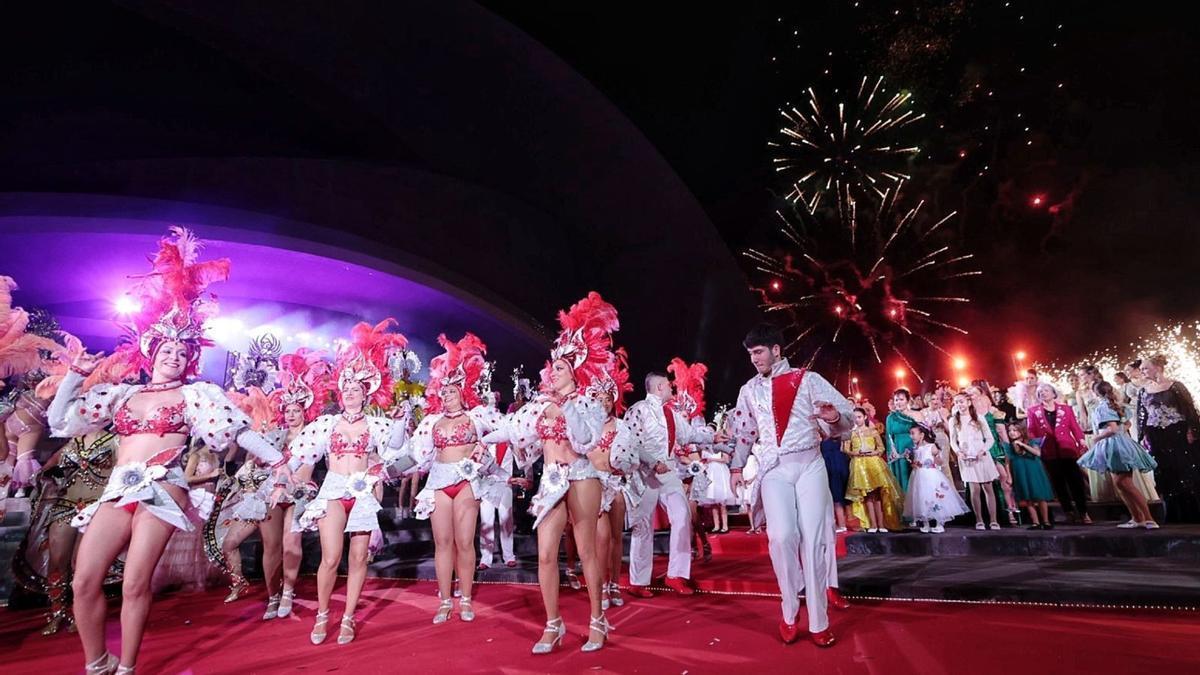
899	443
981	397
1031	484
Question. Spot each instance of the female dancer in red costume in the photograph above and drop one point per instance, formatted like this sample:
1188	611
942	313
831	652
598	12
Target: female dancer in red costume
563	426
355	447
461	471
146	497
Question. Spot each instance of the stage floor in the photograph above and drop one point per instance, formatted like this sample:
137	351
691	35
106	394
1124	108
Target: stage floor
707	633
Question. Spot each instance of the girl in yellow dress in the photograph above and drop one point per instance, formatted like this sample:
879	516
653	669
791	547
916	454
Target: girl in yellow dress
872	489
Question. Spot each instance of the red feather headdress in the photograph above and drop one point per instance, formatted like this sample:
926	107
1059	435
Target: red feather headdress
615	381
585	341
462	365
689	386
364	360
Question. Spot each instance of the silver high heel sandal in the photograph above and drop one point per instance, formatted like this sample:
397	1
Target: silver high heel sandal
272	608
106	664
443	611
321	621
555	627
347	634
285	602
600	625
124	670
465	611
614	595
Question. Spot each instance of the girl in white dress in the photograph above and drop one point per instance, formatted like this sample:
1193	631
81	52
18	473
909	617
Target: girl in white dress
931	498
719	494
970	439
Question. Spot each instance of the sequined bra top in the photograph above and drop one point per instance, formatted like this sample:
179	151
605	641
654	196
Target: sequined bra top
462	434
167	419
606	440
552	429
340	446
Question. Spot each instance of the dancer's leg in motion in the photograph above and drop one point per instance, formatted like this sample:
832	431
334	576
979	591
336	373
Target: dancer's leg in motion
233	555
616	529
549	534
271	532
356	572
641	544
146	543
105	538
332	530
583	499
604	548
442	520
466	514
293	551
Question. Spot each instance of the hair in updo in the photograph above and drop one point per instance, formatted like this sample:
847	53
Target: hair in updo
1158	359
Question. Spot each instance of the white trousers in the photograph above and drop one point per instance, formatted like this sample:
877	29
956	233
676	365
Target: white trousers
489	515
641	545
799	512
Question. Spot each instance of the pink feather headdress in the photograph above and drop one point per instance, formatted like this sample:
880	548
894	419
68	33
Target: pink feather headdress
306	379
615	381
20	351
172	306
364	361
462	365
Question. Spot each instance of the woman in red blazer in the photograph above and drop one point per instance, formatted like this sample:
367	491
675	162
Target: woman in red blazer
1062	444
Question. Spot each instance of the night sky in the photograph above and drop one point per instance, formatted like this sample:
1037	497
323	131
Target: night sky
1112	151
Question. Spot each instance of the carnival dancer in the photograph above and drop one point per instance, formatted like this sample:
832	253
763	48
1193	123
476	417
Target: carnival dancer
72	479
306	383
27	350
355	447
688	382
786	412
448	445
146	497
616	460
562	425
658	429
497	514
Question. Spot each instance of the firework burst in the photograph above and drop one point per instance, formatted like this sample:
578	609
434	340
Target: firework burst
872	296
1179	343
850	146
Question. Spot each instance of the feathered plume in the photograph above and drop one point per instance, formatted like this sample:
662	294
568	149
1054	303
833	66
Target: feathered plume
257	406
462	365
20	351
365	359
586	339
689	386
305	377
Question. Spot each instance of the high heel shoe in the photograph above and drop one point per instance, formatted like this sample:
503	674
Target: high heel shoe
601	625
573	580
614	595
443	611
555	627
465	611
105	665
318	632
285	602
346	636
124	670
236	588
272	608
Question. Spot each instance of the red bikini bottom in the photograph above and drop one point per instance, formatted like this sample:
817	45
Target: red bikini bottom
453	490
130	507
347	504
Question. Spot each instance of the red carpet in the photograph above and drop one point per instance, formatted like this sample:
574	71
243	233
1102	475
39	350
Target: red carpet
669	634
